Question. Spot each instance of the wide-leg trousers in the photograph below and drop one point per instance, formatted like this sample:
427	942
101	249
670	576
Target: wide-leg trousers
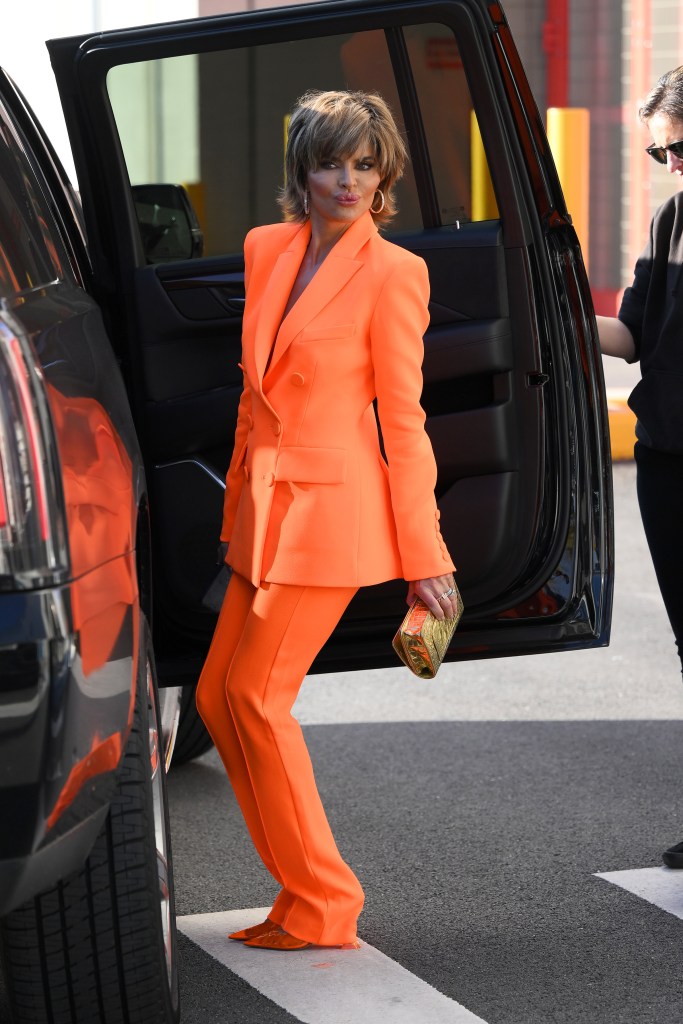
265	641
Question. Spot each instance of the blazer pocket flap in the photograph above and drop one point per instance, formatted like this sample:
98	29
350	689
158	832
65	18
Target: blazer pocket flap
311	465
328	333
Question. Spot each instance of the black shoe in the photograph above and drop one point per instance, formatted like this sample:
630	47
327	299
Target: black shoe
673	857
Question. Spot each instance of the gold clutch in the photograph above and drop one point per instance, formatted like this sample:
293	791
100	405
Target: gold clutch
421	641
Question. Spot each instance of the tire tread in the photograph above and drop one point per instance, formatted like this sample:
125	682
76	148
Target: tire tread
89	950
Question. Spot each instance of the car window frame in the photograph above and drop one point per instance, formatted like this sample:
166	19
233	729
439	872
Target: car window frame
105	182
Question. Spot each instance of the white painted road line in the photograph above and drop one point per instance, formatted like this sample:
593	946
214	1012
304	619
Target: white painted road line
324	986
661	886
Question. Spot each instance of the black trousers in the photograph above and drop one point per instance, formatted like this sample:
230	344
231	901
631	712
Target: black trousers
660	496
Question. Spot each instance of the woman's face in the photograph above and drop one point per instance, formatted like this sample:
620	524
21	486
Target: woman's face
342	189
664	131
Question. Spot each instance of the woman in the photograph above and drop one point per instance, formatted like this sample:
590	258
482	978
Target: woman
334	318
650	328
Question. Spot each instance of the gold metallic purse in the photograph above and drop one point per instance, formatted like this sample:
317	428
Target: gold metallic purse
421	641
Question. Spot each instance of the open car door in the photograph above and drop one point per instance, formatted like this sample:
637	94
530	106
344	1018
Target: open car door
513	387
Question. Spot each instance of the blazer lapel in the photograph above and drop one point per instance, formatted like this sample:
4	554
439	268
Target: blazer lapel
336	271
276	291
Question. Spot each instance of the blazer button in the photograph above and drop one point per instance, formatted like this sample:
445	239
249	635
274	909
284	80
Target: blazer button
269	479
297	380
277	429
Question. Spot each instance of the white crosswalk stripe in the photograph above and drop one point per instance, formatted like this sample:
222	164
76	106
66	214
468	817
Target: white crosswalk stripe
658	885
321	986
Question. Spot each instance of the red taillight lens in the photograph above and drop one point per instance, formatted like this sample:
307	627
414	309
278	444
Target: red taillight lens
32	521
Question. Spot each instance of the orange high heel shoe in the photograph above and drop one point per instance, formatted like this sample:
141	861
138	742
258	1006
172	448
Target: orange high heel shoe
279	939
254	931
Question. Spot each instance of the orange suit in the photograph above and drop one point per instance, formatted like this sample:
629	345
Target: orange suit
312	512
309	498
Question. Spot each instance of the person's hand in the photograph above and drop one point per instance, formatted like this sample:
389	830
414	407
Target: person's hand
438	593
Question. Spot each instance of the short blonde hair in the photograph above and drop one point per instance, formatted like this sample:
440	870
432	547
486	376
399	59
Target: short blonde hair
337	124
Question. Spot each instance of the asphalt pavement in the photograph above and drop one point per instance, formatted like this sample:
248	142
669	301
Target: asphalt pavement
481	812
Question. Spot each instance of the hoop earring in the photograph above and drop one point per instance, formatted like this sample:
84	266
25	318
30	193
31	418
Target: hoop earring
306	203
381	195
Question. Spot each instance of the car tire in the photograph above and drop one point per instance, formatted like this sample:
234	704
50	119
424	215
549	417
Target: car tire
192	739
100	947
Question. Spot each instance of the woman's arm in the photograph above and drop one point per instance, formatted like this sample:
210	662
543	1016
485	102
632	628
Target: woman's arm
399	322
234	479
615	338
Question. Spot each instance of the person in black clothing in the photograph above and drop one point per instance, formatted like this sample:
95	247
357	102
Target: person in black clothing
649	328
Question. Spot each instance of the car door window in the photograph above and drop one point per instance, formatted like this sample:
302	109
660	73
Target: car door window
458	162
216	123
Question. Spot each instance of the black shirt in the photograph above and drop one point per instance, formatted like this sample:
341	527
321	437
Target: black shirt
652	309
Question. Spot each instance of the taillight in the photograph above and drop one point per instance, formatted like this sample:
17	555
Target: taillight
33	547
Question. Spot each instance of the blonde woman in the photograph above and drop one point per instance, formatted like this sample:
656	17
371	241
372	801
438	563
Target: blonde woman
334	319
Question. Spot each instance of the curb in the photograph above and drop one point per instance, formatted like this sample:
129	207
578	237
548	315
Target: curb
622	424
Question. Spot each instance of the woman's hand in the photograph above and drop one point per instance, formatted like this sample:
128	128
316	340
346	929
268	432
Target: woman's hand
435	594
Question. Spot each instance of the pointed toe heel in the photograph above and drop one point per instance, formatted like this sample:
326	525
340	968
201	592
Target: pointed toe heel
277	939
245	934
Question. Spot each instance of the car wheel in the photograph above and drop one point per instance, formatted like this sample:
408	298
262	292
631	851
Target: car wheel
192	739
101	945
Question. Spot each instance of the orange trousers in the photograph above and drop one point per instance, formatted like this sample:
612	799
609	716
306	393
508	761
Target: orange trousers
265	641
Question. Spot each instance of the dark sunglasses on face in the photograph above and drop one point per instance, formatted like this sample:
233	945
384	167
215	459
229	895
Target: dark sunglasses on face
658	153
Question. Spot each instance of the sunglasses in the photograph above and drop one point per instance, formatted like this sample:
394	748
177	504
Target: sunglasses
658	153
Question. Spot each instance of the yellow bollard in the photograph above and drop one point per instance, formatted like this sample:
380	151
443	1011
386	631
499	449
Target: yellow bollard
569	137
622	424
484	205
195	192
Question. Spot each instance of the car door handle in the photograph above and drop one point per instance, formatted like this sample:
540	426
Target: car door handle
233	303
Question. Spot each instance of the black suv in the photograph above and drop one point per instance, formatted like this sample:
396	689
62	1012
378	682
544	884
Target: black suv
119	384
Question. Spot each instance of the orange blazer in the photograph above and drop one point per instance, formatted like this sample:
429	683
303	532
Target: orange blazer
309	499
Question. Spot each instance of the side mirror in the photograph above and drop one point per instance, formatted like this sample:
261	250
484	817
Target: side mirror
168	224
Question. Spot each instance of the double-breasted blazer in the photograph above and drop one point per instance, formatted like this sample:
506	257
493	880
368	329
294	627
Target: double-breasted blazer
309	498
